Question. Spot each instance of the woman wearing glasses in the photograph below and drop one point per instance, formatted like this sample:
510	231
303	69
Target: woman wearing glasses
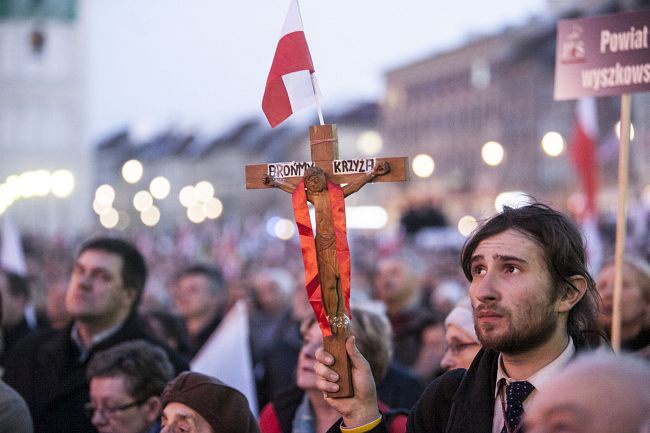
462	343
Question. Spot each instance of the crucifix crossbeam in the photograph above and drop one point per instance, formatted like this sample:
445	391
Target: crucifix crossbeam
324	154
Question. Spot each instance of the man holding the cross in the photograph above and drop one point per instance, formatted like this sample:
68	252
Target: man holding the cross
534	305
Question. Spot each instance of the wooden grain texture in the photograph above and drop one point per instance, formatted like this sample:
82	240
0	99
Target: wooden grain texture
335	345
324	142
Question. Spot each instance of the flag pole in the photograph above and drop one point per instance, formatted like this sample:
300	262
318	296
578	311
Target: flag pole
620	218
314	85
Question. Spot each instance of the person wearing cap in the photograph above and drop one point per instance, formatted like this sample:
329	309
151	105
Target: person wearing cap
197	403
462	342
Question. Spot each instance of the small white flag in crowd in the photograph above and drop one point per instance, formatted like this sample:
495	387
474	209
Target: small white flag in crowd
227	356
12	257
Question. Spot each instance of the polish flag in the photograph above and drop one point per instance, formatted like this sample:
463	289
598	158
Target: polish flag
583	150
291	84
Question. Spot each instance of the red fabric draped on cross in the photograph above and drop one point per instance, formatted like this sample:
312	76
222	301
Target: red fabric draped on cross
308	247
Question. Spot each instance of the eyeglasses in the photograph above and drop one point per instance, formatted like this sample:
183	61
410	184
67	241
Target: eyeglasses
457	348
108	412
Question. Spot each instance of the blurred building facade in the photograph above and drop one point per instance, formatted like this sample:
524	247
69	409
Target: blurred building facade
500	88
41	112
186	158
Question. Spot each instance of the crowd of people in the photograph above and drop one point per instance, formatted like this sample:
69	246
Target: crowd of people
100	337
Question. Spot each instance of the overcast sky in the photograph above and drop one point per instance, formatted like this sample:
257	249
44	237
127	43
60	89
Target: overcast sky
204	63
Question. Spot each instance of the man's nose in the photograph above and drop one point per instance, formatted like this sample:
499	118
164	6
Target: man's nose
84	281
484	288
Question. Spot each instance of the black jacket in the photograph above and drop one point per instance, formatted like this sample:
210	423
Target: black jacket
460	401
45	369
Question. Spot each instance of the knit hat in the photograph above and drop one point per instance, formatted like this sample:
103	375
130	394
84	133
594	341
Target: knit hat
223	407
461	316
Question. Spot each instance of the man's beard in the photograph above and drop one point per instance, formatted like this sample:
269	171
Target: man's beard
537	330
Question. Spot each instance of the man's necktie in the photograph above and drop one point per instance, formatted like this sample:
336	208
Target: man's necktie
516	393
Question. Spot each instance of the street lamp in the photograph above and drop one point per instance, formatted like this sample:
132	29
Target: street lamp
553	143
423	165
492	153
132	170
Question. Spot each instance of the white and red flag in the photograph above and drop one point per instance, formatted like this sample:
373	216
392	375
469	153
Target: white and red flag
291	84
583	150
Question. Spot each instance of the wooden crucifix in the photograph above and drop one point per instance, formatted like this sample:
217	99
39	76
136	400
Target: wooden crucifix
326	256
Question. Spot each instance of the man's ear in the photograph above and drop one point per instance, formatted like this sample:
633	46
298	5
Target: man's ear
572	296
153	408
132	293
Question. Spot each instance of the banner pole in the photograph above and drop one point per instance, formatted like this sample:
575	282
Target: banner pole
621	218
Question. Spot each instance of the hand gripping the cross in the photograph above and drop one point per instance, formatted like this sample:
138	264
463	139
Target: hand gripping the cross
360	409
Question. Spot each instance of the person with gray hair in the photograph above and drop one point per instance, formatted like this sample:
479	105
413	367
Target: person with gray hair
125	386
597	393
462	342
14	414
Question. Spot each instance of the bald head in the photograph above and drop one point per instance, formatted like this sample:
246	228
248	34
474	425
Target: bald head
598	393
